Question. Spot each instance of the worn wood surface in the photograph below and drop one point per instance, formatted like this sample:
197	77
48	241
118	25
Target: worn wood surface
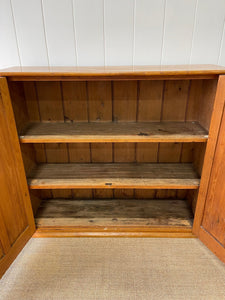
114	175
62	212
113	132
17	222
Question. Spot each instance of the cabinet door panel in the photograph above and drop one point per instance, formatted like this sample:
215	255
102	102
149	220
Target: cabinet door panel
211	228
17	222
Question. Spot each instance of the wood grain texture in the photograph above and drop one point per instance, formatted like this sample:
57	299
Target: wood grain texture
50	101
137	232
210	151
175	100
210	242
113	132
214	212
150	95
113	71
62	212
17	222
206	104
19	104
116	175
75	101
99	101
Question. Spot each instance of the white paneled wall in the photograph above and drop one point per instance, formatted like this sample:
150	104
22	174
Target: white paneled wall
111	32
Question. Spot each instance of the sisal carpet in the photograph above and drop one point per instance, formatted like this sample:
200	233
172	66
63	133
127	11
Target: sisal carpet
114	268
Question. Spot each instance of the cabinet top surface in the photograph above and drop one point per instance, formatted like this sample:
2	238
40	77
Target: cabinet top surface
114	71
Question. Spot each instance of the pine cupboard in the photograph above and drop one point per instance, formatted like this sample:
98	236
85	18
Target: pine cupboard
112	151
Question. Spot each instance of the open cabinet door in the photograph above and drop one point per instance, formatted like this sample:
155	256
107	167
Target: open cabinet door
209	223
16	217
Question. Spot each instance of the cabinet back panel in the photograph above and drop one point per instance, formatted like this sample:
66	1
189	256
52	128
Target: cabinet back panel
105	101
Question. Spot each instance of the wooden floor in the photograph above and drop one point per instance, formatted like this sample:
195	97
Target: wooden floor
114	175
113	132
132	213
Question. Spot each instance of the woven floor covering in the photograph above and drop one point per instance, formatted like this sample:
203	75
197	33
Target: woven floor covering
114	268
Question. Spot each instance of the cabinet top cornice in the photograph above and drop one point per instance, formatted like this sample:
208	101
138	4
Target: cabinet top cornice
123	72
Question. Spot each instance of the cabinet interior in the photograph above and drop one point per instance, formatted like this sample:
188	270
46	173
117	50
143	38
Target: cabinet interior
113	154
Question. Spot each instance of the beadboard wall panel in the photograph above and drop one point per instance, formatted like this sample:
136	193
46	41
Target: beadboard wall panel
59	32
9	54
30	33
148	35
119	32
208	31
111	32
221	59
89	31
178	29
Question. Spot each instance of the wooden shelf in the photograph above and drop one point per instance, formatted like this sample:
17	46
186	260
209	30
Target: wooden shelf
135	213
114	175
113	132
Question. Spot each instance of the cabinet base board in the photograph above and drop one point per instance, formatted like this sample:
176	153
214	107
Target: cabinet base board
67	231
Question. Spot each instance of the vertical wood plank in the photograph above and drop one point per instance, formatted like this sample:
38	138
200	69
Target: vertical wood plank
194	100
40	153
31	101
146	152
50	101
30	32
179	25
75	101
124	101
99	101
124	152
169	152
150	100
208	32
88	18
79	152
101	152
148	35
187	154
119	18
56	153
175	100
58	18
